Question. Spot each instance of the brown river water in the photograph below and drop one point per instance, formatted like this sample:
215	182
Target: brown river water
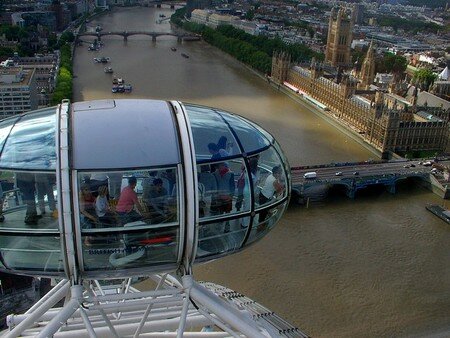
376	266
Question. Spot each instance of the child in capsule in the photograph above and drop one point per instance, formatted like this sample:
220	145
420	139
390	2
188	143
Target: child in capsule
103	208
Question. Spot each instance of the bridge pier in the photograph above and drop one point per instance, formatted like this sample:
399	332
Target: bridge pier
351	193
153	38
172	6
125	38
391	188
179	39
158	5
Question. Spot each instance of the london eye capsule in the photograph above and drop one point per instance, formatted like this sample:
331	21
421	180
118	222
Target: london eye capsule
116	188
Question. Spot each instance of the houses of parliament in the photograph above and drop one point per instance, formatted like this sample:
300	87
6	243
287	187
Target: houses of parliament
390	119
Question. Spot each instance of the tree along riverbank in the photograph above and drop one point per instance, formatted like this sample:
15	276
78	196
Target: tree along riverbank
255	51
63	88
64	79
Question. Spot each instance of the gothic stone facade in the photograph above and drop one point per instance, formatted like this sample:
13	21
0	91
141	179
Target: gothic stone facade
378	121
339	38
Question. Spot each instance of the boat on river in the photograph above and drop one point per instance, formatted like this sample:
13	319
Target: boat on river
118	89
440	212
122	88
185	55
118	81
173	49
102	59
108	70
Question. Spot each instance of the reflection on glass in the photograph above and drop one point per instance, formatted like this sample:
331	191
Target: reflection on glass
263	131
29	201
28	207
159	196
128	198
31	143
250	137
212	136
264	221
124	250
5	129
221	237
224	188
30	253
136	227
243	194
222	202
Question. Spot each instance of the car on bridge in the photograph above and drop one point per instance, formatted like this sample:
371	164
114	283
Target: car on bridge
339	173
310	175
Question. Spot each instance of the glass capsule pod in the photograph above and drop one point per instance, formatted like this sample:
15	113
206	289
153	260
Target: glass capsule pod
115	188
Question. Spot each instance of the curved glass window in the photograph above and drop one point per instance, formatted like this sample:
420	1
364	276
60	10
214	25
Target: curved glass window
221	237
129	219
263	132
264	221
31	143
29	233
5	129
249	137
270	177
30	253
223	188
213	139
230	185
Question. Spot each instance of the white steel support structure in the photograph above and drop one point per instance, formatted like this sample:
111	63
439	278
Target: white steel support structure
176	308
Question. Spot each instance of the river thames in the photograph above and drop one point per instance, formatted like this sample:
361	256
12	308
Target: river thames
376	266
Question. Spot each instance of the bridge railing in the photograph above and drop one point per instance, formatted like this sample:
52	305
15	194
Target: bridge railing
335	164
369	179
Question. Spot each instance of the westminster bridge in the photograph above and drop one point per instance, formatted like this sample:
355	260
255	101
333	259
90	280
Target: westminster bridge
125	34
352	177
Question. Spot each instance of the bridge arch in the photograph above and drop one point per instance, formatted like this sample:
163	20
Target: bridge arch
375	188
126	34
342	188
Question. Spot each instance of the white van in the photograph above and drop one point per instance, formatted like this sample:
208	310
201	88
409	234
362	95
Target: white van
310	175
7	63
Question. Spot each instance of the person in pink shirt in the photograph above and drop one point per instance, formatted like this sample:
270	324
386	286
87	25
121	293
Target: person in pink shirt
127	201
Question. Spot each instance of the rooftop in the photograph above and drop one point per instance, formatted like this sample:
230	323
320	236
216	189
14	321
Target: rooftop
15	76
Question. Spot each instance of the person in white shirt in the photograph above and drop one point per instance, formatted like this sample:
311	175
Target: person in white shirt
102	207
272	187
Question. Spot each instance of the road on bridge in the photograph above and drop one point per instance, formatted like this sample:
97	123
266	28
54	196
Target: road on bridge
354	170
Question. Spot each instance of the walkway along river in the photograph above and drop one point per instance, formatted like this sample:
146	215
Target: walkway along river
374	266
